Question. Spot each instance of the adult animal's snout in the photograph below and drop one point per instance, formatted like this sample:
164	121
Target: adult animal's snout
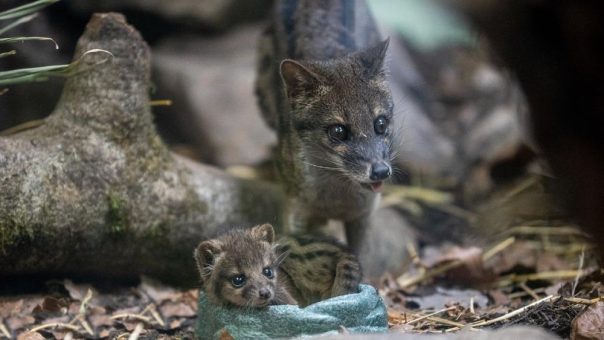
379	171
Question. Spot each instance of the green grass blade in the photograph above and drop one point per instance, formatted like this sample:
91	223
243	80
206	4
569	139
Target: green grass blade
17	23
33	74
26	9
6	54
20	39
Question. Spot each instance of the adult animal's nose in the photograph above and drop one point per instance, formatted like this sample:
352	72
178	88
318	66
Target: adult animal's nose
379	171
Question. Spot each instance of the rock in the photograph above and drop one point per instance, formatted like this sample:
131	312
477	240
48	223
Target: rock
216	14
421	146
555	56
458	112
210	82
385	247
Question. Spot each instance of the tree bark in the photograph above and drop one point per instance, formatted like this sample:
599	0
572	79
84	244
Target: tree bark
95	192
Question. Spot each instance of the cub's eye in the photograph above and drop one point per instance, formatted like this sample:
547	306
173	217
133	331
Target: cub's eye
337	132
238	280
268	272
380	125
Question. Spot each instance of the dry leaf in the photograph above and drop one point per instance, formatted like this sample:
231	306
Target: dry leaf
104	333
589	325
472	270
51	305
30	336
498	297
224	335
8	308
19	322
158	292
173	309
520	253
176	323
78	291
550	262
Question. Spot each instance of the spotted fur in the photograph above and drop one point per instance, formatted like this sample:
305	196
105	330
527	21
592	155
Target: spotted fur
236	253
321	63
317	268
306	269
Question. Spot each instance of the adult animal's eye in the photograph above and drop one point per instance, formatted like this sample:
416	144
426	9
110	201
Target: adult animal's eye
380	125
238	280
337	132
268	272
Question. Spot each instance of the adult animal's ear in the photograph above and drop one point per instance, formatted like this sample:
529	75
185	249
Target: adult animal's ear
263	232
205	256
298	79
372	59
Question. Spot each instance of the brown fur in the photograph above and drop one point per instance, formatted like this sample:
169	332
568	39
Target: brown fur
321	65
241	252
306	269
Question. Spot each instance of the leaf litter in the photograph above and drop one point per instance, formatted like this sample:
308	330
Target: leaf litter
152	310
539	273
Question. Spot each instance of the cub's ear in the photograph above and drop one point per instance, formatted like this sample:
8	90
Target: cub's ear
298	79
263	232
372	59
205	255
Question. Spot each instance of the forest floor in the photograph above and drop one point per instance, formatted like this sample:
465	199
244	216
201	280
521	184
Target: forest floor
524	279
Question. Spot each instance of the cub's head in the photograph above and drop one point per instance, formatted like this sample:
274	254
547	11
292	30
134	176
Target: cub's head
342	111
239	268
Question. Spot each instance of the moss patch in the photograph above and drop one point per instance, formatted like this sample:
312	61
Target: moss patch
117	215
11	232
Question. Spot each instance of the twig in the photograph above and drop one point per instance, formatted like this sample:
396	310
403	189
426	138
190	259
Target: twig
524	293
559	274
532	230
22	127
404	283
86	326
498	248
3	330
54	325
427	274
415	257
429	315
576	281
446	321
156	316
131	316
524	185
584	301
419	193
161	102
515	312
137	331
528	290
85	302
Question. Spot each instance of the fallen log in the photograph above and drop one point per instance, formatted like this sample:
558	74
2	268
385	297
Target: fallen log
94	192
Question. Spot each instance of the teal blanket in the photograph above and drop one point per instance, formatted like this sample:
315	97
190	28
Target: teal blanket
363	312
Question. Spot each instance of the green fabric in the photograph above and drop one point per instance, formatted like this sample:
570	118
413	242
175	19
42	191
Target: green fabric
363	312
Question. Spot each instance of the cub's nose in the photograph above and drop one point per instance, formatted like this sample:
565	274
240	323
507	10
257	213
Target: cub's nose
264	293
379	171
